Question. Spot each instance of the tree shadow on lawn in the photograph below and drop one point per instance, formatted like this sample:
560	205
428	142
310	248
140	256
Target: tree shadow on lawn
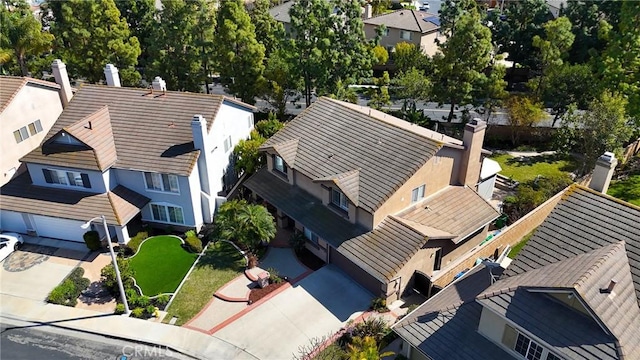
570	164
223	256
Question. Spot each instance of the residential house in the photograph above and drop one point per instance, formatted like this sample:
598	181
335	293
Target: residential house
28	109
573	292
133	155
391	203
415	27
281	14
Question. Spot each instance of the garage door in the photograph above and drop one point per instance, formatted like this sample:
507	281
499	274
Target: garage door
59	228
12	221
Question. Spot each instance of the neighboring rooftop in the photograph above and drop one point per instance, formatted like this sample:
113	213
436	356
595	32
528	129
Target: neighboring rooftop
335	139
281	12
409	20
150	131
10	85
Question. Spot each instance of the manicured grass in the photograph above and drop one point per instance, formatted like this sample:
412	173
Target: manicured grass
220	264
516	249
627	190
526	169
160	264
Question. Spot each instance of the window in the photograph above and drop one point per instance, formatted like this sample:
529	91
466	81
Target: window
528	348
525	346
385	32
417	194
167	213
35	127
66	178
339	199
21	135
405	35
227	144
278	164
437	261
311	236
161	182
250	121
551	356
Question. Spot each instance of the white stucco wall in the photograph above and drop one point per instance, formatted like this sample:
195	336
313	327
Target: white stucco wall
32	102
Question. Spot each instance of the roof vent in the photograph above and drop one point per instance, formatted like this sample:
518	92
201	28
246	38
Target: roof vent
609	289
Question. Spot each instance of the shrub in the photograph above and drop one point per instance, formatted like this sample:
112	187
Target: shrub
108	276
162	300
190	233
142	301
379	305
150	310
67	292
135	241
92	240
373	327
274	276
194	244
138	313
267	128
119	309
298	242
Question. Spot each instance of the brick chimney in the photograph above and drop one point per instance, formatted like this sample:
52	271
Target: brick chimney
159	84
605	165
112	76
62	79
471	158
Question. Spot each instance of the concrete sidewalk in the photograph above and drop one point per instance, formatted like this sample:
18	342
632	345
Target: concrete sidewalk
186	341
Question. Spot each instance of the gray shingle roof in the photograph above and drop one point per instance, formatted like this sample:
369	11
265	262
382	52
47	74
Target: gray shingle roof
303	207
151	132
334	138
445	326
281	12
456	210
410	20
118	205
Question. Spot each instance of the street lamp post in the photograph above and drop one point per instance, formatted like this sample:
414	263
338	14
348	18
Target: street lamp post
113	259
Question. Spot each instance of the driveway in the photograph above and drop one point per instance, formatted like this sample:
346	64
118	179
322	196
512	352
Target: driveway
34	270
319	305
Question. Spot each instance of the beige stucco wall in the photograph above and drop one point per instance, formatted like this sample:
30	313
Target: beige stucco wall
426	42
31	103
439	172
422	261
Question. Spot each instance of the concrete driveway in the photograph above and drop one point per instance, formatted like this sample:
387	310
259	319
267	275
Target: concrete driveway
318	305
34	270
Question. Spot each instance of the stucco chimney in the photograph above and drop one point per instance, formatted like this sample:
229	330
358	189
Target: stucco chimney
602	174
199	132
112	76
159	84
368	11
62	79
471	158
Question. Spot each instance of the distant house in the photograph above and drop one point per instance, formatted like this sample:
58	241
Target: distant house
391	203
573	292
28	109
134	155
281	13
416	27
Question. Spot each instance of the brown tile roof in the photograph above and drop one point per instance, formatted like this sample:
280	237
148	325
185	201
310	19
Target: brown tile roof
10	85
151	132
455	210
95	131
348	182
119	205
410	20
336	138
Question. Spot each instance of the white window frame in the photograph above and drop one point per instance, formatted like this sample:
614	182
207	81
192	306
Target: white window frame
35	127
158	183
227	144
402	35
164	210
22	134
62	178
311	236
544	354
342	202
417	194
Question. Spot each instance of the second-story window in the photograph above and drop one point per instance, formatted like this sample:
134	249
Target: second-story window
35	127
339	199
417	194
161	182
227	144
21	134
279	165
66	178
405	35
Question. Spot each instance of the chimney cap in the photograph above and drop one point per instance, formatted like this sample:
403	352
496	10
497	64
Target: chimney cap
111	67
197	118
608	156
58	63
159	84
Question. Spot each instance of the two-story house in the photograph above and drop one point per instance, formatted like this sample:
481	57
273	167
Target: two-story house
133	155
411	26
573	292
28	109
385	200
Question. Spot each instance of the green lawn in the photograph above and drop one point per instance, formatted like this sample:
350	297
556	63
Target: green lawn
220	264
160	264
526	169
627	190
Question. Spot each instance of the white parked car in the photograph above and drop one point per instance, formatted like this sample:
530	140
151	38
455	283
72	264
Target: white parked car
9	242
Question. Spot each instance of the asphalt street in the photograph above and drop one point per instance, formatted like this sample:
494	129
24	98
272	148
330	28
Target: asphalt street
19	340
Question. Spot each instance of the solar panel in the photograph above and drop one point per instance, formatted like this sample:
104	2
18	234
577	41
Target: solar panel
432	19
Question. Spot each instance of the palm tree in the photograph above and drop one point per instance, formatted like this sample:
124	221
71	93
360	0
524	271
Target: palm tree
258	225
227	225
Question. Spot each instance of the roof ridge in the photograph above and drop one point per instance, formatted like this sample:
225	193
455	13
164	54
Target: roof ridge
405	225
113	208
606	196
613	248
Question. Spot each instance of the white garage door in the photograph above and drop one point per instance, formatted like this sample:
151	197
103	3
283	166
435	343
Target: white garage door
59	228
12	221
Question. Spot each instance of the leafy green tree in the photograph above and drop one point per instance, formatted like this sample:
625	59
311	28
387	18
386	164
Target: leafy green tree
459	68
407	55
280	85
177	50
91	34
605	126
553	48
379	7
139	16
248	157
239	56
523	111
21	39
513	32
269	31
268	128
245	223
412	86
491	91
568	84
379	96
365	348
380	54
587	21
329	45
451	11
